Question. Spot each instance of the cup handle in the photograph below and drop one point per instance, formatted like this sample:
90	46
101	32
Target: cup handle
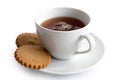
91	42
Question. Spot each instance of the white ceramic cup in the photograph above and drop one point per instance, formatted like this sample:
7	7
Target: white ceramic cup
63	44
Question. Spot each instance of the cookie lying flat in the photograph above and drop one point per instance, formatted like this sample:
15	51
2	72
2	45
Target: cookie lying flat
28	39
32	56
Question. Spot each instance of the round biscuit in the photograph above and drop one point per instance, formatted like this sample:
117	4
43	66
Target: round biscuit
28	39
32	56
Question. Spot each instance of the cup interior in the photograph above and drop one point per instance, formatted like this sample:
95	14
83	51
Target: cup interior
62	12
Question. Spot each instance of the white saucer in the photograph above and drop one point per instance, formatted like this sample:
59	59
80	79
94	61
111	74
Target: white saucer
79	63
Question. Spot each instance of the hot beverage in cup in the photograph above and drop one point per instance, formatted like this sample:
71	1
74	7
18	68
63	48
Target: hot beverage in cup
63	24
61	29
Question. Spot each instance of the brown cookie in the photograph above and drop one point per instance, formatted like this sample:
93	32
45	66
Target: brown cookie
28	39
32	56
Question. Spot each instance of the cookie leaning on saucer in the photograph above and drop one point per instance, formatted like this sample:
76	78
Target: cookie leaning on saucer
32	56
28	39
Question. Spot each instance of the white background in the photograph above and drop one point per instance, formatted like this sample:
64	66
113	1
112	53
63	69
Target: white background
17	16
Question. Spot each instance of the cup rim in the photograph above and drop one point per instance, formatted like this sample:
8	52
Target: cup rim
63	31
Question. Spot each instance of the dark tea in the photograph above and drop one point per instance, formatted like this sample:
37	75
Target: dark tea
63	24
